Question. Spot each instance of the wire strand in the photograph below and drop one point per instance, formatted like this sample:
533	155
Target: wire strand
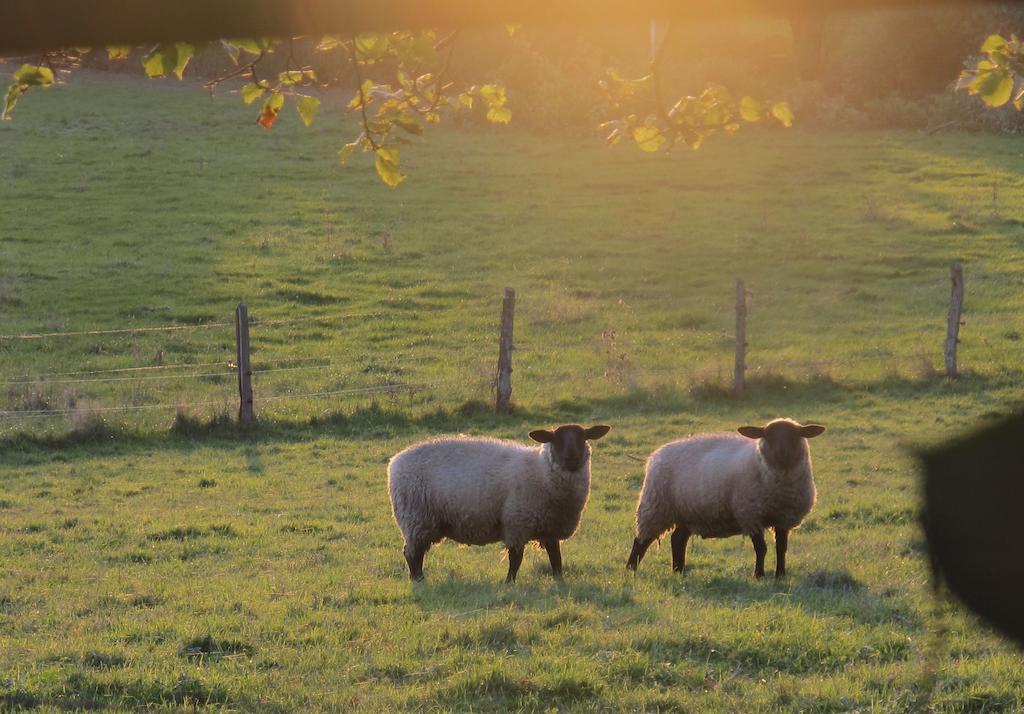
41	413
116	331
202	326
183	365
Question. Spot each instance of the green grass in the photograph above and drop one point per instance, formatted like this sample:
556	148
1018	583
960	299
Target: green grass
145	565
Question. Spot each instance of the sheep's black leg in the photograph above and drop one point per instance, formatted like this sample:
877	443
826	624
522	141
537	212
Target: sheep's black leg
414	557
637	554
515	559
554	555
679	538
781	543
760	549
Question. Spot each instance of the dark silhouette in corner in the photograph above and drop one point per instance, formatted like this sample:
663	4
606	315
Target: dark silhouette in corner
974	522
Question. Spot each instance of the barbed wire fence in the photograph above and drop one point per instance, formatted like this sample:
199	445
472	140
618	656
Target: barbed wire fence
36	407
347	381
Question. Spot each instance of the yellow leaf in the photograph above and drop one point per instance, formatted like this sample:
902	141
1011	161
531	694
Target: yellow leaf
499	115
386	164
783	113
994	43
649	138
307	107
751	109
329	42
251	92
363	95
346	151
116	52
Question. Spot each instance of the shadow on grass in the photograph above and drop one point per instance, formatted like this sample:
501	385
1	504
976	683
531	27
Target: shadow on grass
783	647
834	593
82	690
533	593
767	392
497	690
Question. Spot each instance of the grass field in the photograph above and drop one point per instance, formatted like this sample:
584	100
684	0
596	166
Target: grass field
145	566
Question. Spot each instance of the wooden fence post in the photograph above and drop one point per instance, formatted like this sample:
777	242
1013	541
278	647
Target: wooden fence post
245	409
956	306
738	374
503	401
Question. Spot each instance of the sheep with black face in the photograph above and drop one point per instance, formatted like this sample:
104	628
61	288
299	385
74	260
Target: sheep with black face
477	490
720	485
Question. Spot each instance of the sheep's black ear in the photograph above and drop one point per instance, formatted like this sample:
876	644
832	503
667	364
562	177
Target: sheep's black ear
751	432
596	432
809	431
542	436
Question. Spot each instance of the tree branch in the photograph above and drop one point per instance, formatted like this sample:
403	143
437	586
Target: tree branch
362	96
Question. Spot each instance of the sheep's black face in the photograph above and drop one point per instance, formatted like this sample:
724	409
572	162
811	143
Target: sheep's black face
782	440
569	448
783	444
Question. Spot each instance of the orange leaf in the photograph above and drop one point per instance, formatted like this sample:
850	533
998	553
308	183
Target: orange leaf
267	117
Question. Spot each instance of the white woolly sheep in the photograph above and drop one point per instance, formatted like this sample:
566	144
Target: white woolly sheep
720	485
477	491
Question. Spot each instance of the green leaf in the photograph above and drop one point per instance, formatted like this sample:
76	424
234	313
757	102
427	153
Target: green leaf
328	42
783	113
254	45
13	92
649	138
371	47
166	58
499	115
751	109
185	52
31	75
346	151
307	107
993	86
295	76
386	164
994	43
26	76
363	95
407	122
275	101
715	114
966	79
415	50
116	52
493	94
251	92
